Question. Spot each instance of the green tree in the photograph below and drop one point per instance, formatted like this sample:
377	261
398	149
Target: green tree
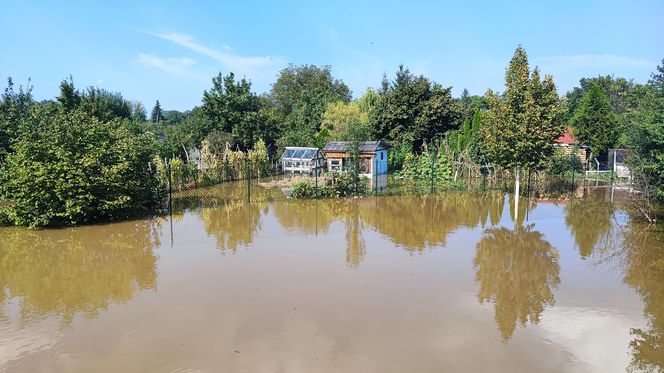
298	100
14	107
157	115
105	105
594	123
413	110
340	116
69	168
138	113
198	125
69	97
520	126
98	102
646	137
617	91
231	107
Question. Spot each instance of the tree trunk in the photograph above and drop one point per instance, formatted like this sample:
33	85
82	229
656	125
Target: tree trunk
516	195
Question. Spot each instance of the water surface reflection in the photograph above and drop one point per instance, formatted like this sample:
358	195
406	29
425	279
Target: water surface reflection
448	282
65	272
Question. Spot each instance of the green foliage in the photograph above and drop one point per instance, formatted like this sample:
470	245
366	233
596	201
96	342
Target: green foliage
594	123
222	164
413	110
69	168
561	164
467	139
298	100
471	104
617	91
521	125
430	163
345	120
397	156
231	107
157	115
13	109
646	138
337	185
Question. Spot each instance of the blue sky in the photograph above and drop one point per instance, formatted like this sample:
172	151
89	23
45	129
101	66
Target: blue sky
169	50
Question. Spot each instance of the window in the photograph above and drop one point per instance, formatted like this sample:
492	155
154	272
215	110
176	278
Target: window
381	155
364	165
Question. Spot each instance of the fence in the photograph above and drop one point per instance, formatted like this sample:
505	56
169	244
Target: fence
242	183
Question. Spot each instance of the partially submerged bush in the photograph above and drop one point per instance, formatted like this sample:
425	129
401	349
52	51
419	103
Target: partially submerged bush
69	168
338	185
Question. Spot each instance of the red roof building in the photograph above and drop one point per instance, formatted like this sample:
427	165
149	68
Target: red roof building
567	138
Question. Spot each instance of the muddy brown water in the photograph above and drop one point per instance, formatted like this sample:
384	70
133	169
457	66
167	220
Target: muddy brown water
387	284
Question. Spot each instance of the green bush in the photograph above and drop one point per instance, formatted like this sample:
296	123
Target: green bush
561	164
419	167
68	168
339	185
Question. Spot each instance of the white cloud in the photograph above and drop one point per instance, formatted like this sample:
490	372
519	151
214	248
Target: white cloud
176	66
243	65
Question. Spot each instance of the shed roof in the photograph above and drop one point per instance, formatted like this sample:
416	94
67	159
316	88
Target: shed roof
365	146
300	153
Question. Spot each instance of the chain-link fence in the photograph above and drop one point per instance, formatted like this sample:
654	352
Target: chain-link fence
244	184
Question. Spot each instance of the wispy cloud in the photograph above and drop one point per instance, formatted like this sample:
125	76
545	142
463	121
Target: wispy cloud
176	66
595	60
244	65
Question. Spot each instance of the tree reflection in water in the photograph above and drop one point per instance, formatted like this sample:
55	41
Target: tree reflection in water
590	220
516	271
65	272
643	258
232	224
417	222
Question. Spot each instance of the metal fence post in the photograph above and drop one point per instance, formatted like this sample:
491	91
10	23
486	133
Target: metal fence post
248	182
316	172
170	189
433	165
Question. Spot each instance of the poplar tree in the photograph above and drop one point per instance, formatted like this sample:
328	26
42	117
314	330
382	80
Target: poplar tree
520	126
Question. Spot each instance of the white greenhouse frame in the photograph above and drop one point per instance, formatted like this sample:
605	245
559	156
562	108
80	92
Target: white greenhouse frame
302	160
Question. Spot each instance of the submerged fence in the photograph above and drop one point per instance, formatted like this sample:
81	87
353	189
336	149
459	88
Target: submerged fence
195	188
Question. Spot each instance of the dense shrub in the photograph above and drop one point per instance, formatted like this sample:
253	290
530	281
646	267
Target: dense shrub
561	164
338	185
68	168
420	166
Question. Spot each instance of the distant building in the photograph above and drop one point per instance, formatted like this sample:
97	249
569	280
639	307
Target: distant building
568	144
302	160
373	156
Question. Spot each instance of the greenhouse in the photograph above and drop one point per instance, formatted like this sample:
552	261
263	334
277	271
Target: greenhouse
302	160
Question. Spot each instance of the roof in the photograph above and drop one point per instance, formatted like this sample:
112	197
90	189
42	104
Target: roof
567	138
365	146
299	153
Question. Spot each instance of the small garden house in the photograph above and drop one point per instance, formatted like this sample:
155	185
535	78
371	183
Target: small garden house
568	145
302	160
373	156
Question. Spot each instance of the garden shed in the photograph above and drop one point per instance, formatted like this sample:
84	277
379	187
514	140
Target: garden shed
372	154
302	160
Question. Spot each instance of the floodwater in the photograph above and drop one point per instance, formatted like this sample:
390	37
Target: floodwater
381	284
